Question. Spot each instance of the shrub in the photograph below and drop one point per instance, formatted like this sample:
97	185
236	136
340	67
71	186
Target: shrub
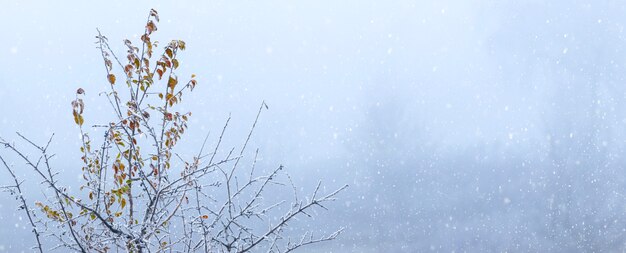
136	196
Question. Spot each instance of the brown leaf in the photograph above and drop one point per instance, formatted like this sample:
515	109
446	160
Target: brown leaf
108	63
154	13
150	27
128	69
80	105
167	62
146	39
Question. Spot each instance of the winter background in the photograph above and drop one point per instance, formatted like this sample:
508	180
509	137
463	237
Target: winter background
478	126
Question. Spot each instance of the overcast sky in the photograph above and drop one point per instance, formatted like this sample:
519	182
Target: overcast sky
368	93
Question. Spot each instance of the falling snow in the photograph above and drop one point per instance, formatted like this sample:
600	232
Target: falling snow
475	126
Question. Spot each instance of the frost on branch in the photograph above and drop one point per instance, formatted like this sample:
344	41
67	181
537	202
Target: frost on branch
138	194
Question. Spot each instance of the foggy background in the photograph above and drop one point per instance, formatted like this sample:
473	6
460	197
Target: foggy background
478	126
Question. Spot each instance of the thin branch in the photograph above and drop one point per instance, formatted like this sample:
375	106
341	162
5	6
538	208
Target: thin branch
24	205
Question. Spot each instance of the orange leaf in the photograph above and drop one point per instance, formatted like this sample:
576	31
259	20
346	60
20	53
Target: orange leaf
111	78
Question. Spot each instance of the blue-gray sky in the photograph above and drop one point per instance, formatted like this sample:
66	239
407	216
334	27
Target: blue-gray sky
459	124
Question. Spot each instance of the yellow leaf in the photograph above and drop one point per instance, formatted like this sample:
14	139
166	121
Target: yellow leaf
78	118
172	83
75	116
